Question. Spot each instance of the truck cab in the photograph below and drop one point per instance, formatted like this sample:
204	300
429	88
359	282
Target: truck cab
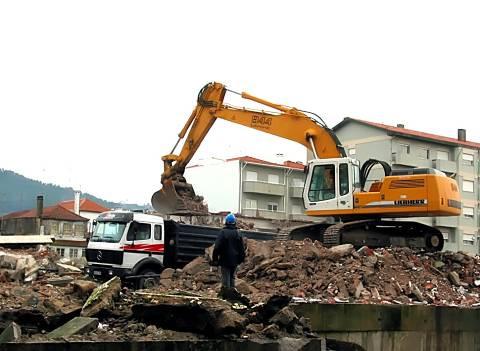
126	244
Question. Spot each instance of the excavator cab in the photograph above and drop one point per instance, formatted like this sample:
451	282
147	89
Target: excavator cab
330	183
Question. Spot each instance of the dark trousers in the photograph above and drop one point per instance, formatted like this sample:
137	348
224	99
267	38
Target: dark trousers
228	276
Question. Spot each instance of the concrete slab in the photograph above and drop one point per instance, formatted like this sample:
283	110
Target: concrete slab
12	332
78	325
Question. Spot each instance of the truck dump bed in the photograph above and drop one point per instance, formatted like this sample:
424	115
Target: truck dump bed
185	242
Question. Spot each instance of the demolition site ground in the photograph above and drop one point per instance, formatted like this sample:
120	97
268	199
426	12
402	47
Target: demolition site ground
45	298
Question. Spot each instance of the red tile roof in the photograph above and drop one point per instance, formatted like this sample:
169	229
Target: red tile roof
287	164
52	212
86	205
411	133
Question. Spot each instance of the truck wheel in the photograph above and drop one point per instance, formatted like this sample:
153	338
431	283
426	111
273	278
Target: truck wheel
148	282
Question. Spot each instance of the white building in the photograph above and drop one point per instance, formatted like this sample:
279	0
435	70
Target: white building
252	188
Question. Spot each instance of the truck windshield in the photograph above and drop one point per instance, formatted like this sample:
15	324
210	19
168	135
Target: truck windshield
110	232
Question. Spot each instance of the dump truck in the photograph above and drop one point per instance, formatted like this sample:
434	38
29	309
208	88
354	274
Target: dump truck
136	246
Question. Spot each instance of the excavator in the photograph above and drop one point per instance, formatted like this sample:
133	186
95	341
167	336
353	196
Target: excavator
335	184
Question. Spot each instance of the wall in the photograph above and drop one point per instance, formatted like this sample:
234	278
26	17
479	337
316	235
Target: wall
397	327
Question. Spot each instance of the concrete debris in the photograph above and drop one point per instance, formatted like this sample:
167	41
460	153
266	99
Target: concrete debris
342	250
197	265
211	317
78	325
11	333
187	299
454	278
65	269
60	281
83	288
102	298
285	318
17	267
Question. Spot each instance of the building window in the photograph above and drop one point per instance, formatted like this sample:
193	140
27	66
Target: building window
468	212
352	152
467	159
73	253
80	229
61	252
467	186
445	236
67	228
251	204
251	176
443	155
468	239
272	206
158	232
404	148
274	178
84	253
423	153
296	209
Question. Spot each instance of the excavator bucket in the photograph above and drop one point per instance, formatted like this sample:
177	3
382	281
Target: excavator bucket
178	198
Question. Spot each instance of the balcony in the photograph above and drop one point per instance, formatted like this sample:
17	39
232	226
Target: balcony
257	187
450	221
445	166
296	192
263	213
404	159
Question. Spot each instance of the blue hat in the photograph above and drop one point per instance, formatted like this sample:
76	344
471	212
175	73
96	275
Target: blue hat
230	219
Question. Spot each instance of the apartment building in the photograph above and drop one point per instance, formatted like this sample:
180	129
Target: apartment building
251	187
405	148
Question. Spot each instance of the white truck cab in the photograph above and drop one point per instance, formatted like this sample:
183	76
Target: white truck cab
126	243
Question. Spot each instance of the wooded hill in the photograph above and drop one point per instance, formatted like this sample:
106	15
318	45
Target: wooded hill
20	193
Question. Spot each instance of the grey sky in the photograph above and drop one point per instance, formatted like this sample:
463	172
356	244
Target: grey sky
92	93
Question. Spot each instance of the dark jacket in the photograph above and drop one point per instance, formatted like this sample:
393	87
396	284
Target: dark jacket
229	250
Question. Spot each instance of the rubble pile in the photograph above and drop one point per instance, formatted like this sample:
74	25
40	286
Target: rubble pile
44	297
307	270
37	290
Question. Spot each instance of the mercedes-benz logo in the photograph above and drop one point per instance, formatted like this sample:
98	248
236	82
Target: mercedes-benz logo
99	255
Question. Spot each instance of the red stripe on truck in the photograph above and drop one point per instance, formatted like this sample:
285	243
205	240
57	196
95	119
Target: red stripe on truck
145	247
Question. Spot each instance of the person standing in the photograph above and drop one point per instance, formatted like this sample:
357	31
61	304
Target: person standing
229	251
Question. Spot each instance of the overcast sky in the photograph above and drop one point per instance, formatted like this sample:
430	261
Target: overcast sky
93	93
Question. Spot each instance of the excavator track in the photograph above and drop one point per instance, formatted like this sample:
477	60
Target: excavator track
375	233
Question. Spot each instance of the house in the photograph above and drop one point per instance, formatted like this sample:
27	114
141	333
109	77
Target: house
85	208
406	148
50	222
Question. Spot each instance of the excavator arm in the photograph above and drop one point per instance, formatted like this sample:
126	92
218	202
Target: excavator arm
177	196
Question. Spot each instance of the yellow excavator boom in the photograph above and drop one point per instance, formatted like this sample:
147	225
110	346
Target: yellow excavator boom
177	196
